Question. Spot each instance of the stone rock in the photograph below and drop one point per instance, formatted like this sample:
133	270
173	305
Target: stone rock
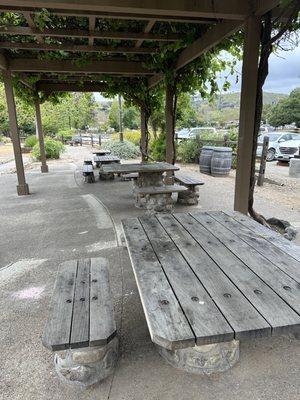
294	168
281	223
203	360
86	366
290	233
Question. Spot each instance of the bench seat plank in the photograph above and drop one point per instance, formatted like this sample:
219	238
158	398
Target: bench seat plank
206	320
160	189
272	307
186	180
252	324
102	322
57	331
80	322
167	323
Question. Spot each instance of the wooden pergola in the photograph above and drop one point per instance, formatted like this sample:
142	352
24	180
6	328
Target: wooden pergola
212	20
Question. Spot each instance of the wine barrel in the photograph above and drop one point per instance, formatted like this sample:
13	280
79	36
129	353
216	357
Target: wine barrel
205	159
221	161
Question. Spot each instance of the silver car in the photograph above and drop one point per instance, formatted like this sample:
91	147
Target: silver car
288	149
275	141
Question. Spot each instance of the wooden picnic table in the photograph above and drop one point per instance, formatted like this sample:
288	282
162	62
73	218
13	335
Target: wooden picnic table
104	160
212	277
107	159
150	175
101	152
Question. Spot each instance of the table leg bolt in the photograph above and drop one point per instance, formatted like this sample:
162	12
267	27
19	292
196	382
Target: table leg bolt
203	360
86	366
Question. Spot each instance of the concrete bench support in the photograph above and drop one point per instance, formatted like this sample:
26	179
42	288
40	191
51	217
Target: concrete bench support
203	360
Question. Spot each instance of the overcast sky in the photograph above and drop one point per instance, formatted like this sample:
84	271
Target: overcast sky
284	72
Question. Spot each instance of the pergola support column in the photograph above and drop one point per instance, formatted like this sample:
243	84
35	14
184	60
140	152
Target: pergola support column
22	187
144	136
247	113
40	135
170	120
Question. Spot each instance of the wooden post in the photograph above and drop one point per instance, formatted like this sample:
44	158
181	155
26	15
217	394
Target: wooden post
144	141
40	135
247	113
169	109
263	160
22	187
120	119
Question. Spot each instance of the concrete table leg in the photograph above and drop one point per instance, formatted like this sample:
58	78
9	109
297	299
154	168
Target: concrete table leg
146	180
86	366
189	197
203	360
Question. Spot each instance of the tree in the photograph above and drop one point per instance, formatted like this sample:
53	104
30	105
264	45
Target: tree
286	111
186	115
272	31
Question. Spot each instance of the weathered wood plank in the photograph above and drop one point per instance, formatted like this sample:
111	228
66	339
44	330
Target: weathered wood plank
271	236
57	330
239	312
144	168
81	310
167	324
275	311
274	254
108	158
102	322
186	180
160	189
286	287
206	320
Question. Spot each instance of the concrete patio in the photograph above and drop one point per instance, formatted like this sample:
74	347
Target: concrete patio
64	219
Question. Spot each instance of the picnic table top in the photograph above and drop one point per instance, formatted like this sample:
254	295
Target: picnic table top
141	168
212	277
108	158
101	152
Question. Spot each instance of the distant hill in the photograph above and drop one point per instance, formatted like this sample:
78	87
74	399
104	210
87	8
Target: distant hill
232	100
268	98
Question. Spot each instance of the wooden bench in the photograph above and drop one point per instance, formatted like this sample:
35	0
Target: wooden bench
81	328
191	196
157	198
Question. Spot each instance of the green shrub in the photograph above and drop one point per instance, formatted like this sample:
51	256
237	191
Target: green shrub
53	149
131	136
158	148
188	150
125	149
31	141
65	135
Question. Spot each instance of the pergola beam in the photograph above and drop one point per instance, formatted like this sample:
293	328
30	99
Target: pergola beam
147	29
66	66
78	33
71	86
31	24
230	9
92	23
110	15
76	48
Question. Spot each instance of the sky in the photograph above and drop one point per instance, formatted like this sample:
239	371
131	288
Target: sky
284	72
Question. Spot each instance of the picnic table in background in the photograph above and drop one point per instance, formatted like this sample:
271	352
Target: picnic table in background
99	153
211	278
150	177
104	160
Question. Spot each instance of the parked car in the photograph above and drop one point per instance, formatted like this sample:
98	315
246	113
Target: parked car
289	149
193	132
275	140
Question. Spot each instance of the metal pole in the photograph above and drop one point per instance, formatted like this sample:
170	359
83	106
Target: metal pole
22	187
263	161
40	135
120	118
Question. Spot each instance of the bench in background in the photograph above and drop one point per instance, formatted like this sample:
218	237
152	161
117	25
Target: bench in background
191	196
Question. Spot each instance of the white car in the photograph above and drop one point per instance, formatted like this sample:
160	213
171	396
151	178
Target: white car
193	132
288	149
275	141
